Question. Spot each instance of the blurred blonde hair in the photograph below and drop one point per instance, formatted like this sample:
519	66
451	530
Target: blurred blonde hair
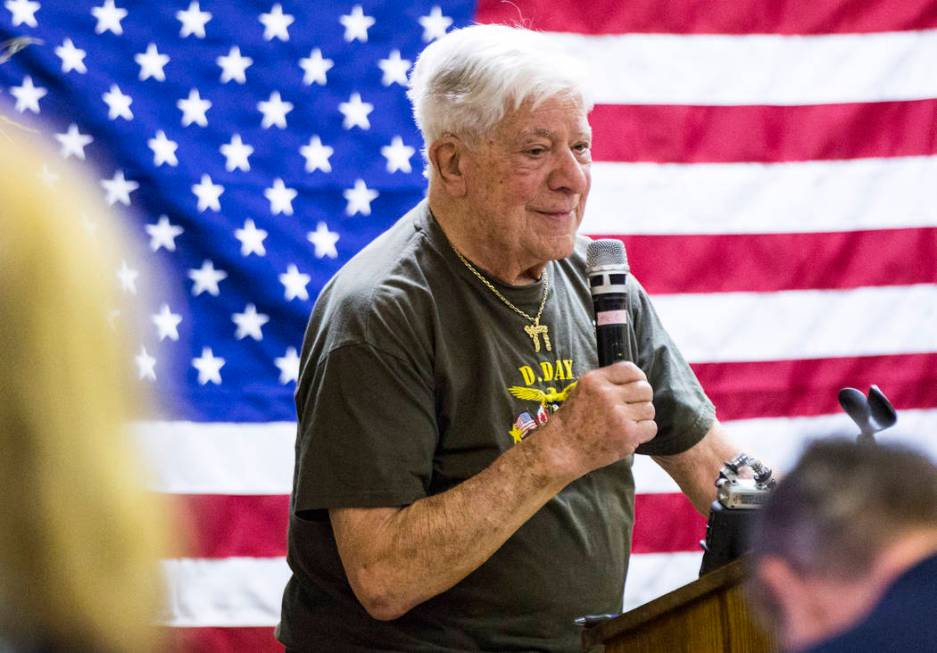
80	538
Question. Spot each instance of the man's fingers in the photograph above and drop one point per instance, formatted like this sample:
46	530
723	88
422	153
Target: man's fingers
646	430
623	372
641	411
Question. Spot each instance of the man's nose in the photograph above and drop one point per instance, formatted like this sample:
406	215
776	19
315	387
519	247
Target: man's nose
569	175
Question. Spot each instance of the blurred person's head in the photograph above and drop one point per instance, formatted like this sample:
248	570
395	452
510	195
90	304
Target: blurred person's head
845	523
79	537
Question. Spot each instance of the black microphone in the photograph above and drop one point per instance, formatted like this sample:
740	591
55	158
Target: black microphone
607	269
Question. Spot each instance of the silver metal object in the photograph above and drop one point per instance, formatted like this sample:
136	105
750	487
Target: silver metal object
736	492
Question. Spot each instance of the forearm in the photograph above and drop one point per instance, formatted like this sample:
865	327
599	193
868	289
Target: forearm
696	469
398	558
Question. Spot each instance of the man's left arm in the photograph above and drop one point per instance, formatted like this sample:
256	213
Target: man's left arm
696	469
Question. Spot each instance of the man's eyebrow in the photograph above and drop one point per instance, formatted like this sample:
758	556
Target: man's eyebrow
536	131
546	133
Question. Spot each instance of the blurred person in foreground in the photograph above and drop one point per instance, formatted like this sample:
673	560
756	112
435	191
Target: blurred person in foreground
845	552
463	471
79	537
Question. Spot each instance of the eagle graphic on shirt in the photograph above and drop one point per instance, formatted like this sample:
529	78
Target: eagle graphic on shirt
551	397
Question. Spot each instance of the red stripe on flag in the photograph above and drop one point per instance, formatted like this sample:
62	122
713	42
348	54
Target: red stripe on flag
771	262
219	526
222	640
794	388
722	134
712	16
665	523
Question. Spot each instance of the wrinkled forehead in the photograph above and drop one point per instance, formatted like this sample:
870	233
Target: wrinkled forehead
558	116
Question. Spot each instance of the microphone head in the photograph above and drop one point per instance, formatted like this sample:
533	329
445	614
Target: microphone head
606	252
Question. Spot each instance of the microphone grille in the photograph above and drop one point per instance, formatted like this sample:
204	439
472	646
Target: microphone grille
606	251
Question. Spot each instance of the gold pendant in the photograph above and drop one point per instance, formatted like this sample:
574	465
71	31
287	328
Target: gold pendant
536	330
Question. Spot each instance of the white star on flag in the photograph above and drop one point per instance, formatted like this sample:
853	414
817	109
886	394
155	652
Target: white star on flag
208	366
193	21
146	365
249	323
167	323
151	63
315	67
48	176
128	278
234	66
236	153
164	150
398	155
274	110
434	25
23	12
394	69
163	234
28	95
252	239
193	109
119	188
356	112
294	283
281	198
112	316
73	142
288	365
89	225
317	155
324	241
359	198
356	25
72	58
206	279
118	104
276	23
109	16
208	193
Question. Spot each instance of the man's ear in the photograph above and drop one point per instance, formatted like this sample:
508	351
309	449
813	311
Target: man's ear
789	596
447	157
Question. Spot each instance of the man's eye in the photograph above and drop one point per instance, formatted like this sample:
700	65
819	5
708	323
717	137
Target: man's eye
581	147
536	151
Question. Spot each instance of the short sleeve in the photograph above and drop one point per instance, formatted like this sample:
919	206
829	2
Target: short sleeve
367	432
683	411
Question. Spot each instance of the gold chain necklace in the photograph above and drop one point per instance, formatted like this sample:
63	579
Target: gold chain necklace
534	329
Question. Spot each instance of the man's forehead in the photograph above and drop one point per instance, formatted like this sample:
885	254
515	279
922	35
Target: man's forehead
556	117
544	132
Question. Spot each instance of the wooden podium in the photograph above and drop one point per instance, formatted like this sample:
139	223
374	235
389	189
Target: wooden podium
708	615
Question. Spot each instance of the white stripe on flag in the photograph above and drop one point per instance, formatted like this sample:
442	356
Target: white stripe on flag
240	592
809	196
779	441
247	592
799	324
217	466
653	574
218	457
757	69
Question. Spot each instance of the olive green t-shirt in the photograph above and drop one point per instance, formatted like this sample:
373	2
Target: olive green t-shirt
415	377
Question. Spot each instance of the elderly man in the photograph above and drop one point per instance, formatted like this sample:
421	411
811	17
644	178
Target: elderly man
463	472
846	553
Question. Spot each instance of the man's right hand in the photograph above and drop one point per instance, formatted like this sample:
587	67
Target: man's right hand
398	557
608	414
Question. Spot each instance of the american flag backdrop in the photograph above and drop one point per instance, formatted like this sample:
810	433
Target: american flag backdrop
769	164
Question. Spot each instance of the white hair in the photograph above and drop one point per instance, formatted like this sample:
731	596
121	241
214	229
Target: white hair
465	82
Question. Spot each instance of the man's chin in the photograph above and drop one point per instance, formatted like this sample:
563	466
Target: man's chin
558	248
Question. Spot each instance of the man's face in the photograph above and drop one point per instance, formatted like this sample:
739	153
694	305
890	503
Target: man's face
527	181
